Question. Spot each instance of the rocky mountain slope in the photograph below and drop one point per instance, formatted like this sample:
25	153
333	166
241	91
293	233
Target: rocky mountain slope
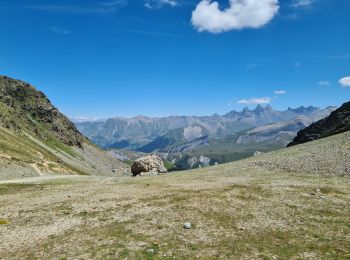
337	122
36	139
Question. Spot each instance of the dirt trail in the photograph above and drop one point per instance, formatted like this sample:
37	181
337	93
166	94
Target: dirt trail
43	178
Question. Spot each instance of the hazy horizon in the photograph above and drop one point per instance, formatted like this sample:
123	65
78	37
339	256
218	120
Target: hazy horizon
77	119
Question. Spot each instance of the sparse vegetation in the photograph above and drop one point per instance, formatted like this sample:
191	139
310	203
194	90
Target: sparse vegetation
4	222
255	208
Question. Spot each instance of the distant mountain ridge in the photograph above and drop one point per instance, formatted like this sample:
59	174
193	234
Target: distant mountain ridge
337	122
193	141
135	133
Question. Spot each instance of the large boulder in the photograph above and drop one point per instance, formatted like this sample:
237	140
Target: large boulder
151	164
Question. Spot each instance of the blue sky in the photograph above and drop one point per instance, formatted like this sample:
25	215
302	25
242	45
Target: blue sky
184	57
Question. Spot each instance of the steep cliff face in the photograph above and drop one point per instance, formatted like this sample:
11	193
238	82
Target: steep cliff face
338	122
36	139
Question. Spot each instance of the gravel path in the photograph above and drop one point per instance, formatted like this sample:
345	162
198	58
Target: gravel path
44	178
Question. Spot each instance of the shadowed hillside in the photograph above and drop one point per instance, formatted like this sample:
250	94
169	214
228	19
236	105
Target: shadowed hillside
337	122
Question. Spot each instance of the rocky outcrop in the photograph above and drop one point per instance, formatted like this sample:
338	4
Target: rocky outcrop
148	165
23	107
338	122
36	139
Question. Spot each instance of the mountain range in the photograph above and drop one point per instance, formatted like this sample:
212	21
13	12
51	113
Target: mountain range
219	138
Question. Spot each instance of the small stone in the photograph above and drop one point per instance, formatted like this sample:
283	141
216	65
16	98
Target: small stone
150	251
187	225
162	169
257	153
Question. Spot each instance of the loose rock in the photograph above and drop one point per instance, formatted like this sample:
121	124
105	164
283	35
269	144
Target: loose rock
187	225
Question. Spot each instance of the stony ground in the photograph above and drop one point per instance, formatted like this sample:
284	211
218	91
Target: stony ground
260	208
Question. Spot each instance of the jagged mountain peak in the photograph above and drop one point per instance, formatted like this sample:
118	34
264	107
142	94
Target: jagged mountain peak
303	109
259	107
247	111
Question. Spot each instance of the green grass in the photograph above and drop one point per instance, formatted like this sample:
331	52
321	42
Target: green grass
169	166
129	162
54	143
4	222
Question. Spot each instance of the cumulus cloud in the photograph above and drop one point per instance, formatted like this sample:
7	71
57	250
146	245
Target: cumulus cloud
239	15
155	4
345	82
280	92
255	101
323	83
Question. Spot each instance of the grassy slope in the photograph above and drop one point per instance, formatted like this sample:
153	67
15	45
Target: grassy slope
275	206
36	139
22	155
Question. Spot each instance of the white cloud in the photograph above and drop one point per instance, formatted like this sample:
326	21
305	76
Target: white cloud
345	82
155	4
255	101
302	3
241	14
280	92
323	83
